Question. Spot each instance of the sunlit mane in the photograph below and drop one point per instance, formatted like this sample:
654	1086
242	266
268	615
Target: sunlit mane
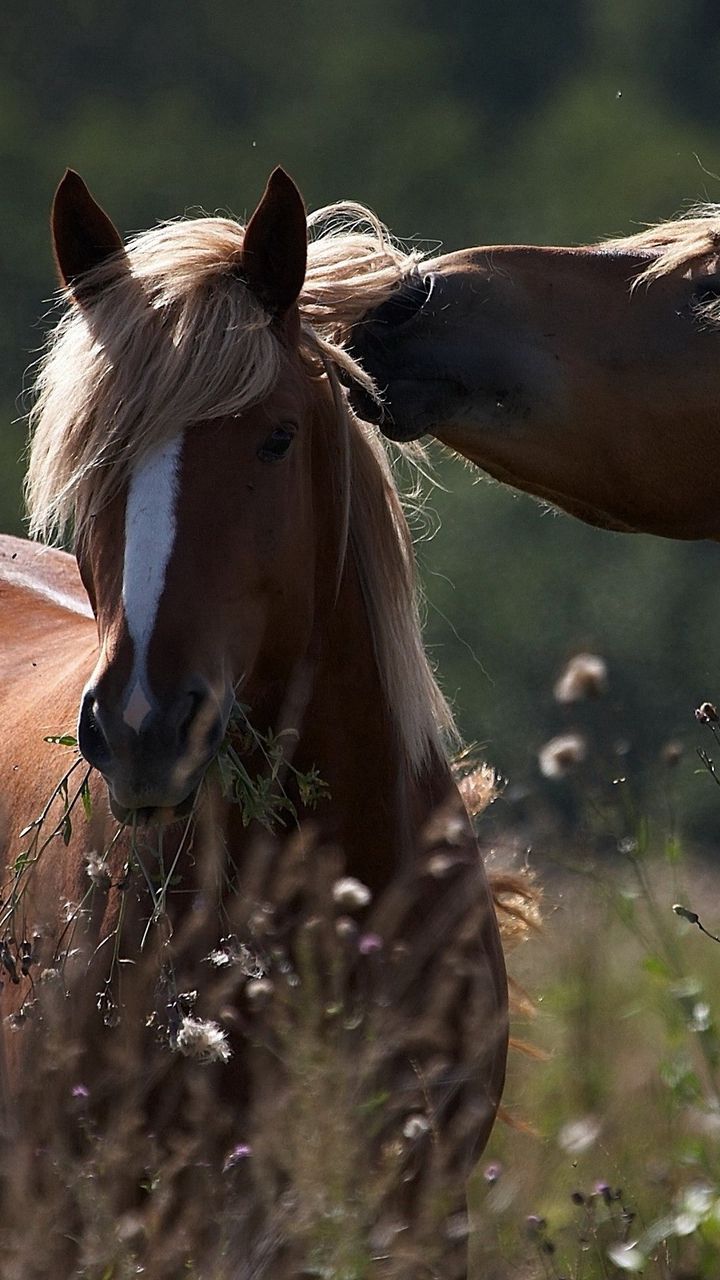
179	340
678	245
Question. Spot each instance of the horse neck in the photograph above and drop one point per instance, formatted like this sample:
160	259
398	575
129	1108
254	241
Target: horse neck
380	800
379	805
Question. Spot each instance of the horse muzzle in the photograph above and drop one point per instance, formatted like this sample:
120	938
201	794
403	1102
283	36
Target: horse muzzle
152	768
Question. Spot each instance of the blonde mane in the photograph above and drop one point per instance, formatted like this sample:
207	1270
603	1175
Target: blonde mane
678	245
180	339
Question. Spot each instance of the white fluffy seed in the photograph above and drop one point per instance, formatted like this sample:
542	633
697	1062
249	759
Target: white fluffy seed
351	894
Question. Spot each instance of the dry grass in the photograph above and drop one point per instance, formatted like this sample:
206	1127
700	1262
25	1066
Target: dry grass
336	1144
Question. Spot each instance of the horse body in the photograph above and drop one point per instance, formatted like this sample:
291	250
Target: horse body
254	562
47	640
587	377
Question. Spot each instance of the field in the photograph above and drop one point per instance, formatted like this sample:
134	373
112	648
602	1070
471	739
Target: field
607	1161
613	1164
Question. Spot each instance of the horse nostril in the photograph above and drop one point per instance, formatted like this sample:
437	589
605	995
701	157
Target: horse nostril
91	739
188	712
200	726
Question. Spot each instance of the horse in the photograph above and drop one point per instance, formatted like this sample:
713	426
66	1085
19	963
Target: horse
248	887
587	377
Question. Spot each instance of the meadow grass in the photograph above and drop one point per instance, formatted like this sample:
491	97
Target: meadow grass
608	1163
614	1167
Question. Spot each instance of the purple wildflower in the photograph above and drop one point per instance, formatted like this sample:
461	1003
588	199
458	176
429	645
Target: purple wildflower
238	1153
369	943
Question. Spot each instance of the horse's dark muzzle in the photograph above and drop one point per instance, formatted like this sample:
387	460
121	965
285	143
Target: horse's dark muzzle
158	765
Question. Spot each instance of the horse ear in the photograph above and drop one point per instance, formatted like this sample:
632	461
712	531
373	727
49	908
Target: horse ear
274	256
82	233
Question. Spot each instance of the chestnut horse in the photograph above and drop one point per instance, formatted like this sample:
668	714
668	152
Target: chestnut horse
588	377
241	614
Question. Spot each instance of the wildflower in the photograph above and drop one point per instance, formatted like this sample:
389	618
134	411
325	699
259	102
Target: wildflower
585	676
560	755
346	928
107	1006
51	976
17	1020
7	960
415	1126
351	894
603	1189
259	992
201	1039
692	917
369	943
478	789
261	921
69	911
578	1135
241	1152
26	957
231	954
706	713
80	1091
98	871
492	1172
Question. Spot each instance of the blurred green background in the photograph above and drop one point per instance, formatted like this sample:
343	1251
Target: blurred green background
480	122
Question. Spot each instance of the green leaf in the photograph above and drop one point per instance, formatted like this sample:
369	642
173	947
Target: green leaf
656	966
62	740
86	798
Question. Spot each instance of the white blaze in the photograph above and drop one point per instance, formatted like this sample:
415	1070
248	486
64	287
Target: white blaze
150	521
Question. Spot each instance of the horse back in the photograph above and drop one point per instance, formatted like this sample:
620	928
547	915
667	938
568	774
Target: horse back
47	651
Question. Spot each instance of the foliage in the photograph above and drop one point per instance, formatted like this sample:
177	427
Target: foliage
622	1172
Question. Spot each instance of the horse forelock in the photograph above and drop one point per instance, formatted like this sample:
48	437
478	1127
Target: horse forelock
180	339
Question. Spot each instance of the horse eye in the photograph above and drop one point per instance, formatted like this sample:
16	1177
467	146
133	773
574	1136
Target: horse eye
276	445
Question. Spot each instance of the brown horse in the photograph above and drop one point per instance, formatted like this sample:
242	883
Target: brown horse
244	552
588	377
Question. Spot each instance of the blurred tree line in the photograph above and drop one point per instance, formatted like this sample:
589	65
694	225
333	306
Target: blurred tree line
476	123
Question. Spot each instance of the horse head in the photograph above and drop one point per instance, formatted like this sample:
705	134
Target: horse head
587	377
196	525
